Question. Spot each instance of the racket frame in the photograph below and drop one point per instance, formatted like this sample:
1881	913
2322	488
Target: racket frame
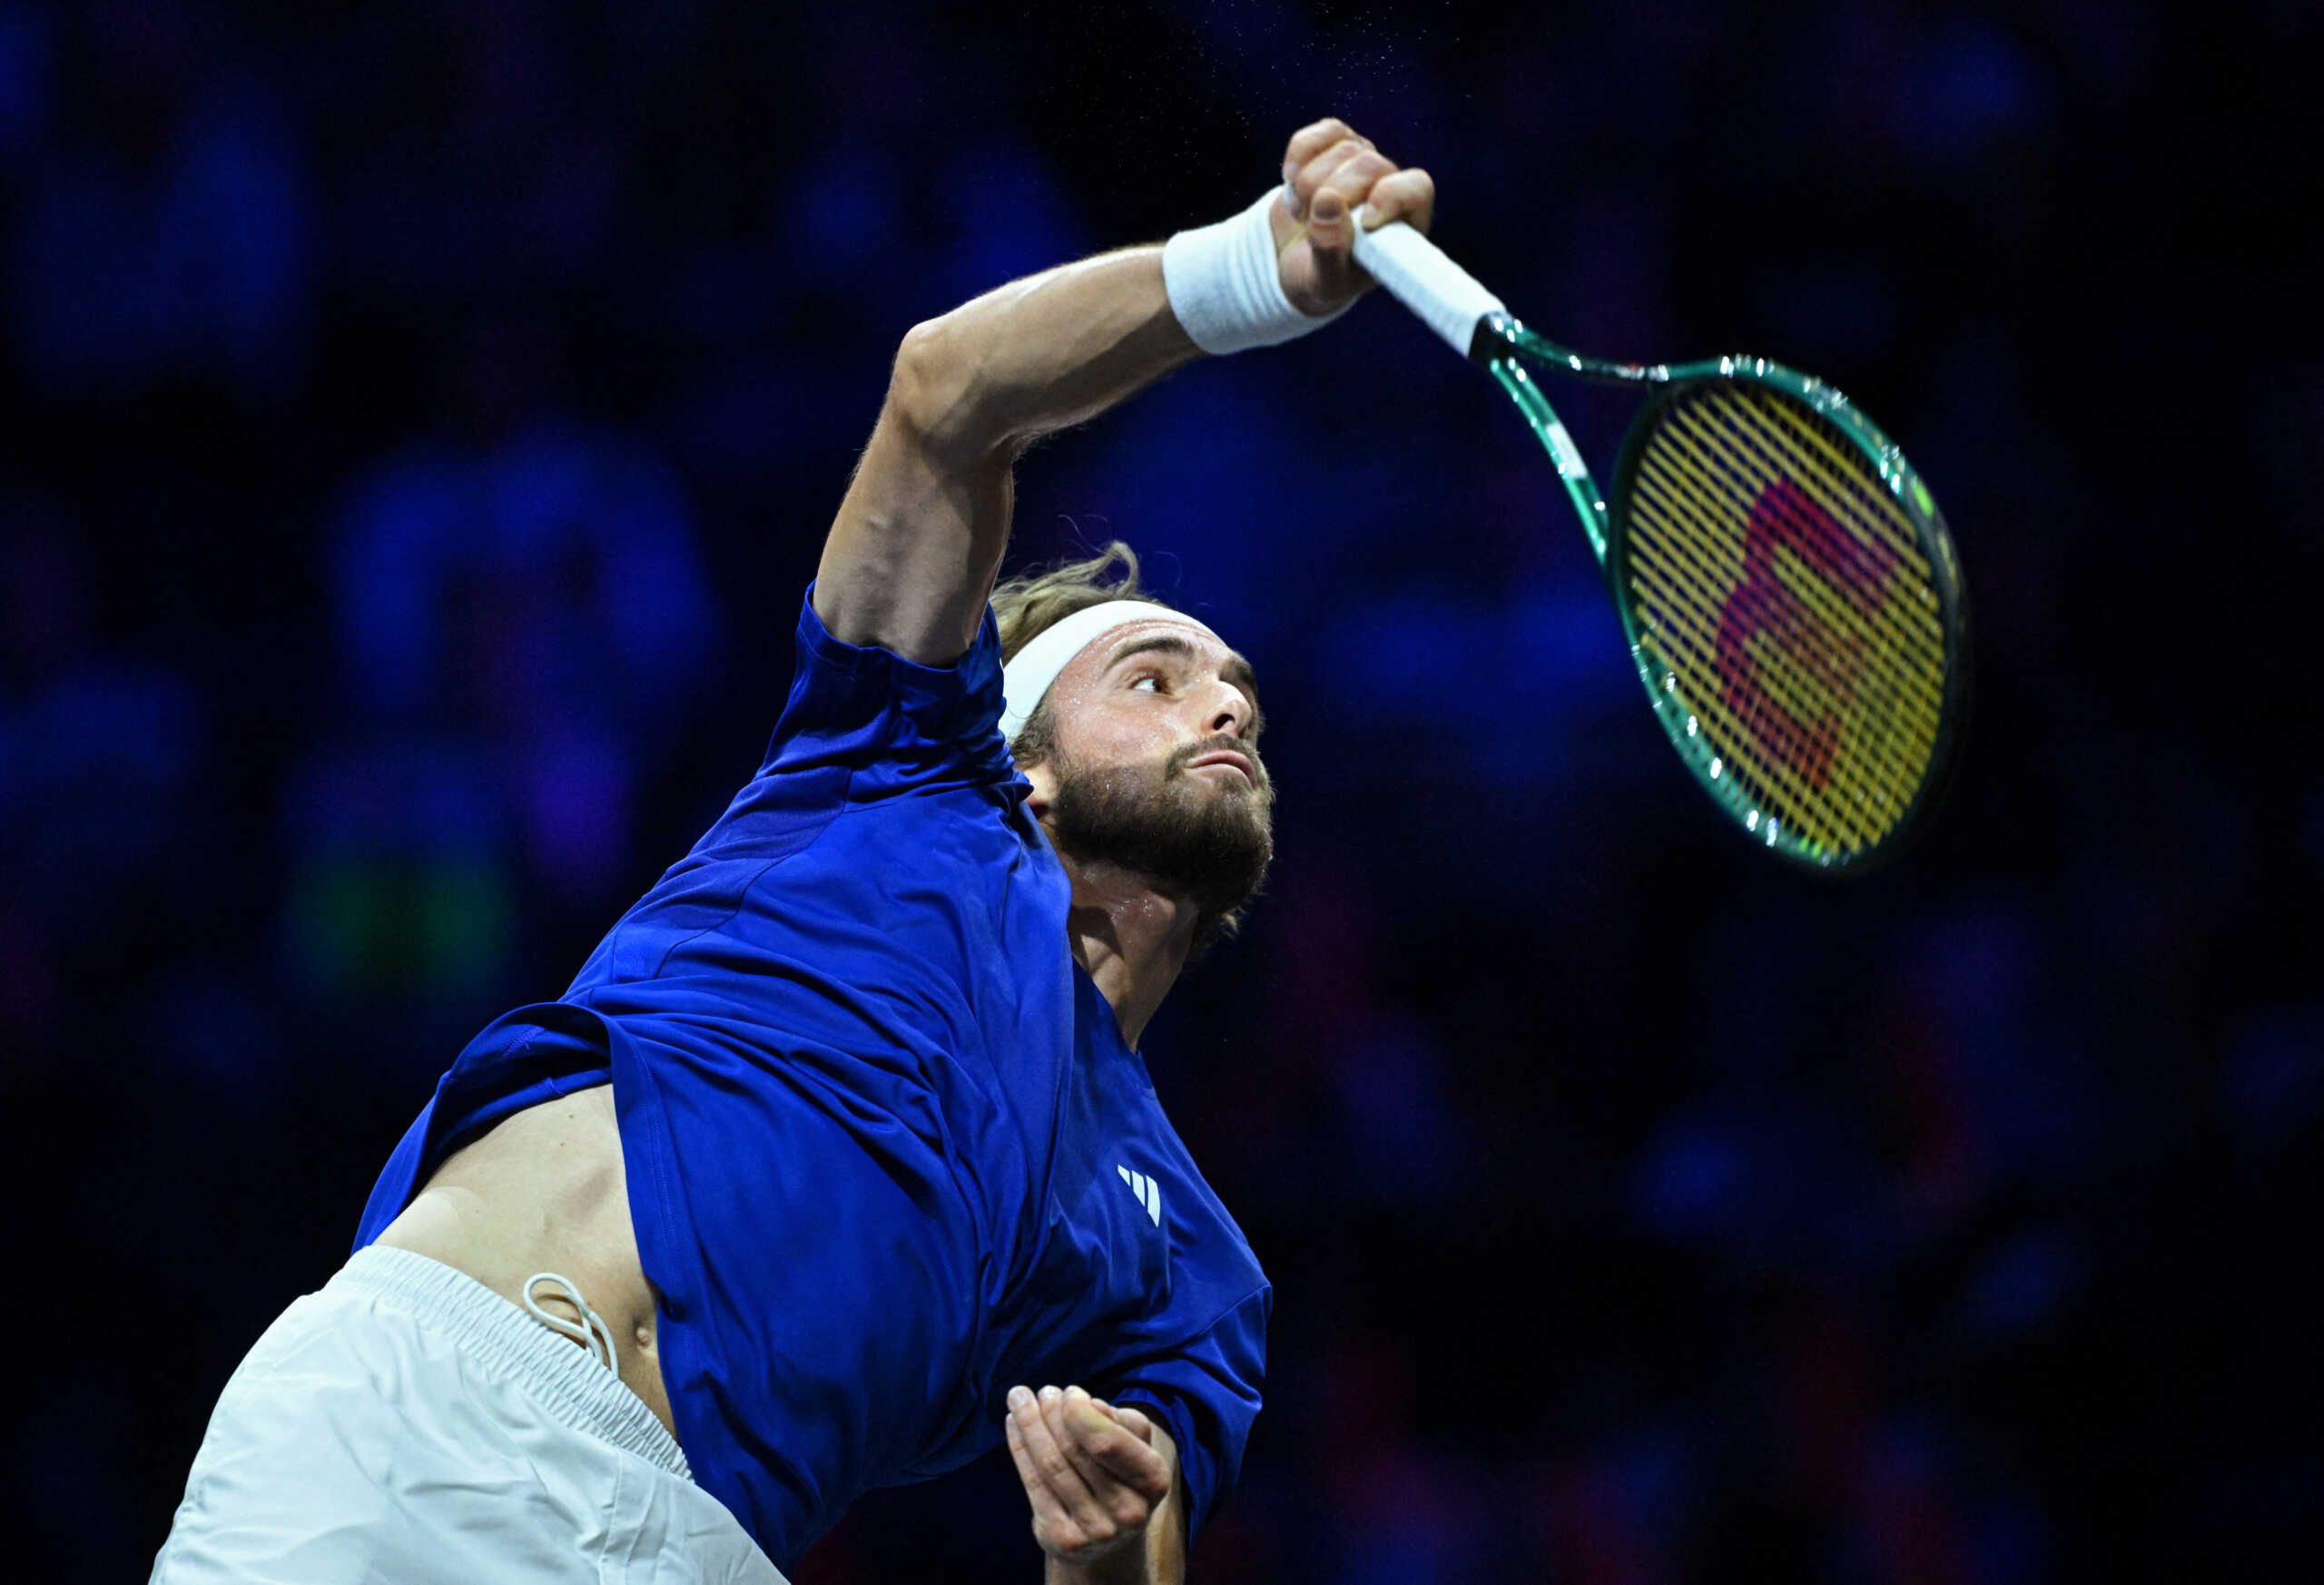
1502	346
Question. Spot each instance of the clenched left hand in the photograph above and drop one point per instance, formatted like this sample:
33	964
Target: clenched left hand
1091	1471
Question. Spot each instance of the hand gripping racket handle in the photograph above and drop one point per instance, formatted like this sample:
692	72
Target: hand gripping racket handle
1447	299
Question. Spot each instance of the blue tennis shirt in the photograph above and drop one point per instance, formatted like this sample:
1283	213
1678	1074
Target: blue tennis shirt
888	1152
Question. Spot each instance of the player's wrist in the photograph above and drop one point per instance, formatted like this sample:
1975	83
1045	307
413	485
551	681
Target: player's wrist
1226	284
1127	1560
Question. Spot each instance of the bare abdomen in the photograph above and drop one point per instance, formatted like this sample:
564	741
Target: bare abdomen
546	1190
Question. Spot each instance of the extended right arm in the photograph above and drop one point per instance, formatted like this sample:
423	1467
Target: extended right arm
917	541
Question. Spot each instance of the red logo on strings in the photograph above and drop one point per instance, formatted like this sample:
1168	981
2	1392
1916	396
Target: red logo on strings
1765	606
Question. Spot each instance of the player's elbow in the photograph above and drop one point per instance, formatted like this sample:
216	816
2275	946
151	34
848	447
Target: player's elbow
934	394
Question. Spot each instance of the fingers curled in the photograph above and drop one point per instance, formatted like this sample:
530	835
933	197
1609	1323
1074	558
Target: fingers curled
1313	139
1319	175
1403	195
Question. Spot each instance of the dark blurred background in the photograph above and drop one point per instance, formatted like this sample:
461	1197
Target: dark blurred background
420	420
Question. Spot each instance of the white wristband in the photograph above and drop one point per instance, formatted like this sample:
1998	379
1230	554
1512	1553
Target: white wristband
1227	288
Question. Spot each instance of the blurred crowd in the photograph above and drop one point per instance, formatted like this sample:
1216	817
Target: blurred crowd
420	424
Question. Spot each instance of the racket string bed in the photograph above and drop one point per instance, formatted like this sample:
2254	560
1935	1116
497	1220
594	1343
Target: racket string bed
1907	741
1859	530
1799	767
1898	540
1766	562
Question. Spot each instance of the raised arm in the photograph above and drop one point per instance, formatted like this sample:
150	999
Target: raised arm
912	554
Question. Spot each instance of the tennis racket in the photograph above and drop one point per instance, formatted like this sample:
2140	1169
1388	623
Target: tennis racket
1788	587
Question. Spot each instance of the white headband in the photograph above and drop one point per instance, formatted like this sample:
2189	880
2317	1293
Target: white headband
1025	681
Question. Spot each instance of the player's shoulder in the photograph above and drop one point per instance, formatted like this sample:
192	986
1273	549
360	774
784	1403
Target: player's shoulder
870	709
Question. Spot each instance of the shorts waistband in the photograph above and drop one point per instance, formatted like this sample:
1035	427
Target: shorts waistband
570	1383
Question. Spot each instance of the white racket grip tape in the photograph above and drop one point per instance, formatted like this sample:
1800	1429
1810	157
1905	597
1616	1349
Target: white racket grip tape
1447	299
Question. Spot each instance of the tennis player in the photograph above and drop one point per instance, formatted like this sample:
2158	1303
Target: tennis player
837	1164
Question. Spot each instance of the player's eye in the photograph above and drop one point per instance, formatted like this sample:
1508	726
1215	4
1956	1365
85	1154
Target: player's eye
1149	681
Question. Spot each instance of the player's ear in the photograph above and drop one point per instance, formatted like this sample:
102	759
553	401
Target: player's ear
1044	783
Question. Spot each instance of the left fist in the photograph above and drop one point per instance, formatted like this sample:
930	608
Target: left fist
1092	1472
1334	181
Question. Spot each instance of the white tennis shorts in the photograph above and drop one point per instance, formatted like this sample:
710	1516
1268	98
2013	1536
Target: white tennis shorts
408	1424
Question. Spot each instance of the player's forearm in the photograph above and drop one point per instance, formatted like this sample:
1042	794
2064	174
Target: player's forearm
1038	355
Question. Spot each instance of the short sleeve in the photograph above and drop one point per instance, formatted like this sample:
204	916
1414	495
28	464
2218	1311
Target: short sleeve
896	725
1207	1393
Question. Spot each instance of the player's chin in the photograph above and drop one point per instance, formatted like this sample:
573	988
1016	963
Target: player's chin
1232	799
1247	831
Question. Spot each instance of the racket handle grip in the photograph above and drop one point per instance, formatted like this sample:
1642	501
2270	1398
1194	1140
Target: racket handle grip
1447	299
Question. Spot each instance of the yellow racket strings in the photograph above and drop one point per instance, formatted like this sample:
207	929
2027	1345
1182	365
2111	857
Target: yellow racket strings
1783	593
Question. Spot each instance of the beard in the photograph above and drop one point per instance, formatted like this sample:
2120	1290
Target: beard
1209	844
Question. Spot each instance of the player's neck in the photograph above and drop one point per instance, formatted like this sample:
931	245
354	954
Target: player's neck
1130	939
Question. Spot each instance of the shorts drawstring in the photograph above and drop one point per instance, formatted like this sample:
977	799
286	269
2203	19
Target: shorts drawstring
590	1331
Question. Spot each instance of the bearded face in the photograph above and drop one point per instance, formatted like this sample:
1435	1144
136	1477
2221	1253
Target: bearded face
1206	834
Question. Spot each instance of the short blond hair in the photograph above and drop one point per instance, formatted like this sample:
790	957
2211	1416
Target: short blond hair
1037	599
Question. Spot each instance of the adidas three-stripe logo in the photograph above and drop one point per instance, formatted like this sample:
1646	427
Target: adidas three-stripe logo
1149	1193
